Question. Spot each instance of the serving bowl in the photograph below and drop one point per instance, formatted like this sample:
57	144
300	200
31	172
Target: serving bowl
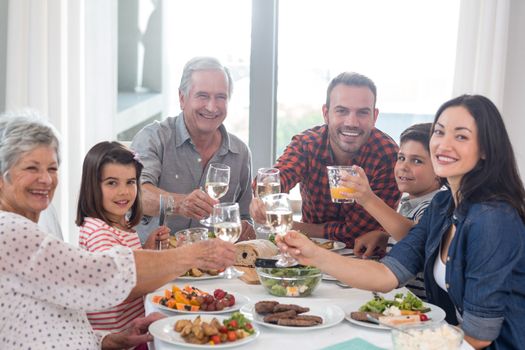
189	236
427	336
289	281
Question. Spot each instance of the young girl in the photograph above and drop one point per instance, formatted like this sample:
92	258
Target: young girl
470	242
109	206
416	179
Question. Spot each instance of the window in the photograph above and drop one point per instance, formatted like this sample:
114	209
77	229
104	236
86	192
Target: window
406	47
215	28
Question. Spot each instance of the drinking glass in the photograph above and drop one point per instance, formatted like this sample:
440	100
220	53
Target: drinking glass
279	218
216	185
226	220
268	182
166	208
335	174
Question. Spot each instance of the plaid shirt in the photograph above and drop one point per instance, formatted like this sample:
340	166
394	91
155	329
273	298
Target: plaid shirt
304	161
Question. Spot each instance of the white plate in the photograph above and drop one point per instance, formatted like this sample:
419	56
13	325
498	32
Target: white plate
337	245
202	278
331	314
436	314
240	301
163	330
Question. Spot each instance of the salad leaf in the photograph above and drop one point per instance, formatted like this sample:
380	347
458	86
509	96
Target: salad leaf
403	302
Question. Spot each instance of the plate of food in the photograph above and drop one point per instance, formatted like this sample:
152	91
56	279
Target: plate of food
401	309
293	317
191	300
329	244
196	274
204	331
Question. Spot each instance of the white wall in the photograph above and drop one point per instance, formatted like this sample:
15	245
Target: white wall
514	97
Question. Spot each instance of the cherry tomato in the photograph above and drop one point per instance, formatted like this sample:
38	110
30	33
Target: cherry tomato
423	317
232	336
215	339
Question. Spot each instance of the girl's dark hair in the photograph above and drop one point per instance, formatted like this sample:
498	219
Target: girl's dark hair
496	176
90	197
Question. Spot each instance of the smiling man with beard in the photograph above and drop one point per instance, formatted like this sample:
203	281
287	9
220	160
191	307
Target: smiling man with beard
177	152
349	137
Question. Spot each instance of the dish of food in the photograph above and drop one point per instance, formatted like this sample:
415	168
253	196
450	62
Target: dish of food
329	244
397	310
289	281
330	315
433	336
164	330
191	300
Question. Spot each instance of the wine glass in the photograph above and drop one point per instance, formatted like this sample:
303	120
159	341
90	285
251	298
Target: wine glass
226	220
268	182
279	217
216	185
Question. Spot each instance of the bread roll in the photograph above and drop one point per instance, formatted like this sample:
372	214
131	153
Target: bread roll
248	251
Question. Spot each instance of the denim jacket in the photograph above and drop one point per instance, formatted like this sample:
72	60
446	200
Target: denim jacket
485	267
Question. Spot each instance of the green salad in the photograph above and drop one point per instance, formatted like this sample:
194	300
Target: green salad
290	282
403	302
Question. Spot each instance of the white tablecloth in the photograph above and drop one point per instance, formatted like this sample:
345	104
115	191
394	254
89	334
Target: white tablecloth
327	293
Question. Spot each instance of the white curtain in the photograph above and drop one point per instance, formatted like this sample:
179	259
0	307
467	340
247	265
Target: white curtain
61	61
482	48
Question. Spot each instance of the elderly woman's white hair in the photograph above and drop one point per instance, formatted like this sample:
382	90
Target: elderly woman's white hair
21	132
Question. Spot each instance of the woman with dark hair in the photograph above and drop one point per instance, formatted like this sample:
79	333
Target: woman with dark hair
470	242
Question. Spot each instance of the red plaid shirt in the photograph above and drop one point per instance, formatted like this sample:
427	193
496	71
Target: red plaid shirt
304	161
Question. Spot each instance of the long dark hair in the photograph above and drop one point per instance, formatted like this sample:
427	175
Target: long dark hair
496	176
90	197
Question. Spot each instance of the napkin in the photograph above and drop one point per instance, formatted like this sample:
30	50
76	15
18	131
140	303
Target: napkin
354	344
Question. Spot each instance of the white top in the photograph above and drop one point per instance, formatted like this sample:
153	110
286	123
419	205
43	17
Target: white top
440	270
46	285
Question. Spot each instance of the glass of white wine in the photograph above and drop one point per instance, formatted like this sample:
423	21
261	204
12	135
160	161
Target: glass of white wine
279	217
216	185
227	226
268	182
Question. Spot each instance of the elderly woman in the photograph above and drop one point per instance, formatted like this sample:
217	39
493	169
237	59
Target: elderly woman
47	285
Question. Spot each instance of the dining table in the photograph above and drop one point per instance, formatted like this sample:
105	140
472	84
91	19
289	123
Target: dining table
328	293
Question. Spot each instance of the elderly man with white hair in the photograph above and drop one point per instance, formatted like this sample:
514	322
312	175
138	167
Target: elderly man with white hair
178	151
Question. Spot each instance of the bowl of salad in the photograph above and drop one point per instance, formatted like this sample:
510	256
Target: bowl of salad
289	281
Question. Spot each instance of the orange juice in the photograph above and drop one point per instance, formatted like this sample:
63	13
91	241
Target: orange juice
339	197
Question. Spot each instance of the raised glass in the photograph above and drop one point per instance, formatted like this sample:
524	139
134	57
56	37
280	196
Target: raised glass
227	226
279	217
337	189
216	185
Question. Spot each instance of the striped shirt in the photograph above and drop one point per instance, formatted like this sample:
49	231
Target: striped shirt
97	236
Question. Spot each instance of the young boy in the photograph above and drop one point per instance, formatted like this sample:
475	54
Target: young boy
415	177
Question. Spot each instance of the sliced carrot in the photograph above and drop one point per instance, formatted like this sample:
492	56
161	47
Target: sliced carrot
171	303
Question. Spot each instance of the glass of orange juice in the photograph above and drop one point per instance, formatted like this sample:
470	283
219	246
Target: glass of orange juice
335	174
